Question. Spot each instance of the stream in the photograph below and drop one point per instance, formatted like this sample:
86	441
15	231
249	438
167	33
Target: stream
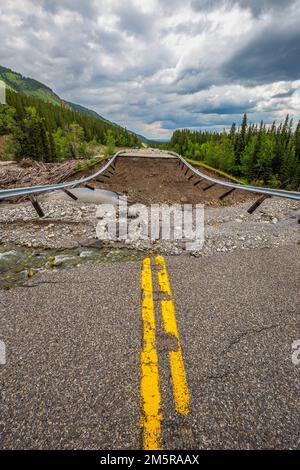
18	264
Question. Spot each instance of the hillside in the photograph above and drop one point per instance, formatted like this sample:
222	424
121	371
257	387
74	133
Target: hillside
35	89
43	127
30	87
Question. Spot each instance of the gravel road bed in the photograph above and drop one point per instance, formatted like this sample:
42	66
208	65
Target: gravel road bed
69	224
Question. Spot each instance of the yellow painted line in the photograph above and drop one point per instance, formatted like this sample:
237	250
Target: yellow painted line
150	387
180	384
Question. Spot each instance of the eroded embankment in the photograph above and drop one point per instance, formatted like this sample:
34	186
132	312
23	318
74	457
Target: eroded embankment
153	180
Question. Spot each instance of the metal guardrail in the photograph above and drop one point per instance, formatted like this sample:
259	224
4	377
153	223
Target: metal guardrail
30	190
295	195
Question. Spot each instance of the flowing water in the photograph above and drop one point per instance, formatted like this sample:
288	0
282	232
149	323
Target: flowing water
18	264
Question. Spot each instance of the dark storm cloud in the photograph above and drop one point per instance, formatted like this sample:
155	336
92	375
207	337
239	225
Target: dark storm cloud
212	120
133	21
256	6
86	8
271	56
226	108
111	41
286	94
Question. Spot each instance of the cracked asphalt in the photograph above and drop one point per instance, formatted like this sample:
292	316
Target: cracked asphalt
74	337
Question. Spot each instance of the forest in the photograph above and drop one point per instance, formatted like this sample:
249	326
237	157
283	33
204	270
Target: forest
258	154
47	132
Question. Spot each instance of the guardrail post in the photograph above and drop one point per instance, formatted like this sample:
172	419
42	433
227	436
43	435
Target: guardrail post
71	195
226	194
210	186
36	206
257	203
88	186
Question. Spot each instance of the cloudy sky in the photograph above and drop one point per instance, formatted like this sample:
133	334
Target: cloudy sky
158	65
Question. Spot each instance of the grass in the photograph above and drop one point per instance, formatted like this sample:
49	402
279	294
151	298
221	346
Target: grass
221	173
91	162
87	164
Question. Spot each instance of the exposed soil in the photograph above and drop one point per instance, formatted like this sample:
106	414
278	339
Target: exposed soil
143	180
148	181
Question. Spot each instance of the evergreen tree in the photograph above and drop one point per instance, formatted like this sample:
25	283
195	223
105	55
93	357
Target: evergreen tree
31	137
242	140
232	132
264	160
52	147
288	165
110	143
7	119
271	154
297	142
249	159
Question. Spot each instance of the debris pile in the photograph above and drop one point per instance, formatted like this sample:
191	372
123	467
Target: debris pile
34	173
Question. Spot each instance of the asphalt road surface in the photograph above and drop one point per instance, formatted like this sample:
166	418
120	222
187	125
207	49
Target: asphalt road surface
174	353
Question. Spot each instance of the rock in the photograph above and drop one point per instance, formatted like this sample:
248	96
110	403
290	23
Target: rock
32	272
93	243
86	254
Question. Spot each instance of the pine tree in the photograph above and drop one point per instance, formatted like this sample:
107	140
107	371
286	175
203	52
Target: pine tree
264	161
288	165
297	142
52	148
242	140
232	132
7	119
249	159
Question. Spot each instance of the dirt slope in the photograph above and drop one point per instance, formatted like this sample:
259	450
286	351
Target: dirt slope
162	181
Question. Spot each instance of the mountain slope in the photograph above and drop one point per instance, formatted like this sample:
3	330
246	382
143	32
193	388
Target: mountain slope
30	87
85	111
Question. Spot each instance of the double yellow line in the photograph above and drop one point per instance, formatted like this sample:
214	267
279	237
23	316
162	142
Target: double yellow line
150	384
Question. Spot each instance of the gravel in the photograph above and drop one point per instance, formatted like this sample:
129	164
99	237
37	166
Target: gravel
69	224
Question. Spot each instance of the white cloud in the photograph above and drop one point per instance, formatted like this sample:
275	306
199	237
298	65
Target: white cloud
157	65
